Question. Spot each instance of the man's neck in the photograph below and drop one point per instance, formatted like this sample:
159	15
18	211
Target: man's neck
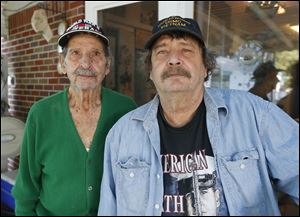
84	100
179	108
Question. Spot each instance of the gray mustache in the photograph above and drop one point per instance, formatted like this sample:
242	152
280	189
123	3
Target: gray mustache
81	71
175	71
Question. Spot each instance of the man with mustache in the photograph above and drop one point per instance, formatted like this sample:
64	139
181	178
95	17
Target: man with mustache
194	150
62	151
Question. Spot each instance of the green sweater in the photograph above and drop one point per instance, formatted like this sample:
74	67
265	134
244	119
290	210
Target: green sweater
57	176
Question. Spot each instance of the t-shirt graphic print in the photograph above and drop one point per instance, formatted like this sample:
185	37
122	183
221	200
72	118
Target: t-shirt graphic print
189	183
188	167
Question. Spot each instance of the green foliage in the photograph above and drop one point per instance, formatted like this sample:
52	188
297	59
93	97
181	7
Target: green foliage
285	59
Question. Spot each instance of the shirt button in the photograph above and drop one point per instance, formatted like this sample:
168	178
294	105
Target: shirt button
90	188
158	176
156	206
242	166
131	174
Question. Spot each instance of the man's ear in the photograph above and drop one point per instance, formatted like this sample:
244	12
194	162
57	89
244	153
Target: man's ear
150	75
108	65
62	64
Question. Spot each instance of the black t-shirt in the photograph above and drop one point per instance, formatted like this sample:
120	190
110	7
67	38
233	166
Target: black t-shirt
188	167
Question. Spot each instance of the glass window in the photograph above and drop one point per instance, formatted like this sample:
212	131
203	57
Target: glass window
128	27
246	34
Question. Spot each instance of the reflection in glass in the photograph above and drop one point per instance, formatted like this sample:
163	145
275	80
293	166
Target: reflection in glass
128	27
242	38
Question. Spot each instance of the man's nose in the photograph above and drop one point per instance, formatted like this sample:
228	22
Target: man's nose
85	61
174	59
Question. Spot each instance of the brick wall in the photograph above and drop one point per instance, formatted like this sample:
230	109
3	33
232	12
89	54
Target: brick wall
31	59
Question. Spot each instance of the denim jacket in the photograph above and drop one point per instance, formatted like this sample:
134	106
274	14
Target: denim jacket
255	144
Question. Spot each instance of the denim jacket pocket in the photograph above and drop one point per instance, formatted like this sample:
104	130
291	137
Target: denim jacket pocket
132	187
242	178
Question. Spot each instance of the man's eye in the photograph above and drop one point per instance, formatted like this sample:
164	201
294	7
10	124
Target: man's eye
97	53
187	50
75	52
161	52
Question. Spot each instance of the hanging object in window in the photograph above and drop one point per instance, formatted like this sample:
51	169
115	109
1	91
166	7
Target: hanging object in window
250	53
39	22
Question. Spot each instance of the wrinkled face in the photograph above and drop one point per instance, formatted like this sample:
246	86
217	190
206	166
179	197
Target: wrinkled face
177	65
85	62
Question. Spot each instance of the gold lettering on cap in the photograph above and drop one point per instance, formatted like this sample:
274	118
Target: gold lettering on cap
173	21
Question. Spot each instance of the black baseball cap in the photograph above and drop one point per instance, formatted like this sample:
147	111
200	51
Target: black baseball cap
82	25
175	23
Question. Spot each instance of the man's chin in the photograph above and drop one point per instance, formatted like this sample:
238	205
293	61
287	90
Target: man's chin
85	87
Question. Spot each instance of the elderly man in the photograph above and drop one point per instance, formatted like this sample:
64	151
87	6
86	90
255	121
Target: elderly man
194	150
62	151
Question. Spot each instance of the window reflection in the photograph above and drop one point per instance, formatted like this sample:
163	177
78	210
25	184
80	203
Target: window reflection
244	35
128	27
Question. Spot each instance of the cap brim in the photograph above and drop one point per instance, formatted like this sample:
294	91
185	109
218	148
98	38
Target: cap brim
63	39
155	36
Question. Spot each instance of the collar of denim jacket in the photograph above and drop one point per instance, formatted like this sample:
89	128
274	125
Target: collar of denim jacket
213	98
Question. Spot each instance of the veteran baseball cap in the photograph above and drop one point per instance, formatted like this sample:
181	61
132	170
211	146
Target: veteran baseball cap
173	24
82	25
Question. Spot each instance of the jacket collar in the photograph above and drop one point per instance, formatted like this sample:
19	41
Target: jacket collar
214	101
